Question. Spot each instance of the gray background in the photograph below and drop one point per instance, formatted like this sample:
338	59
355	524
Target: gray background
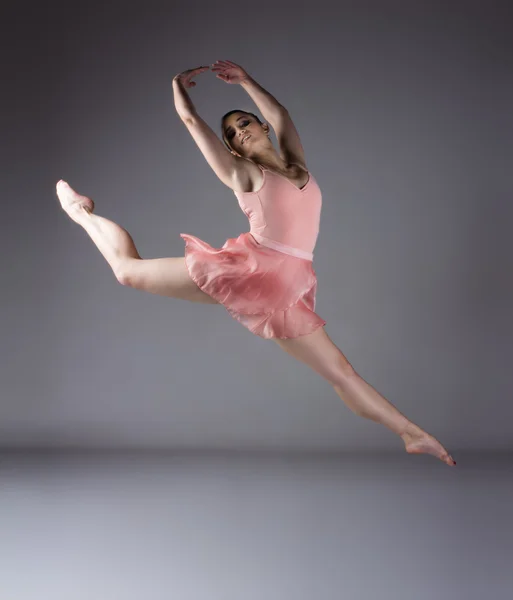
404	110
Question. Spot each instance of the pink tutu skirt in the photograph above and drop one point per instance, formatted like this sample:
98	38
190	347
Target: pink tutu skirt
269	292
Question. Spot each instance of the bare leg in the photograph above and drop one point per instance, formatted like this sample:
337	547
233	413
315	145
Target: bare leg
322	355
367	402
162	276
114	242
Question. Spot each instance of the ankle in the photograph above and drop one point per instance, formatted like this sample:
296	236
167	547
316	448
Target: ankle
80	214
404	426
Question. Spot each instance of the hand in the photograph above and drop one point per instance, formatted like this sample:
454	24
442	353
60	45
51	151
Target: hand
186	76
229	71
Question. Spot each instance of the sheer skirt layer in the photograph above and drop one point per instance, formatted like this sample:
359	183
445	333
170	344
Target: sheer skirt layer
269	292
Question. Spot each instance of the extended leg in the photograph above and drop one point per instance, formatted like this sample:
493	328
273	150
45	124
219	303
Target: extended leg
162	276
322	355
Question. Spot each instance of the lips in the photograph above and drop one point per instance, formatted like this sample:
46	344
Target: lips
245	138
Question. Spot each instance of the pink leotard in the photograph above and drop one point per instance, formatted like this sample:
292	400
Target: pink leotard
282	216
265	277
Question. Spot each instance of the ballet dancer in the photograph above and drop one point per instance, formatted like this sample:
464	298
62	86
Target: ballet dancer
264	278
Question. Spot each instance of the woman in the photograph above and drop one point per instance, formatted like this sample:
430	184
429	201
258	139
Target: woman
264	278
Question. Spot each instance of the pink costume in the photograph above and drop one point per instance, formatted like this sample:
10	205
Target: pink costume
265	278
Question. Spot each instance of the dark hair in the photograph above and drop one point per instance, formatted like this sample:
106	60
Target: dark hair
231	113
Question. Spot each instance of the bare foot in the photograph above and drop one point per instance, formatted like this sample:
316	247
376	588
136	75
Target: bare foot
418	441
74	204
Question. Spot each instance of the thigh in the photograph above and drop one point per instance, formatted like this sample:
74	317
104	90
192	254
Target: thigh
165	277
319	352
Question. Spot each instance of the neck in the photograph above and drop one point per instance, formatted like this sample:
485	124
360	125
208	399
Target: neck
269	159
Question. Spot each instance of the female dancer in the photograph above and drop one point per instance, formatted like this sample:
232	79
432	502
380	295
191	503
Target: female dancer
264	278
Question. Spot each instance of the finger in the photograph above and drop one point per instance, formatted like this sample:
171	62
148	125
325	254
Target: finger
232	63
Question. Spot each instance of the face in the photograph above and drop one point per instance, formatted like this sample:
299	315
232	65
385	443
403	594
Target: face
244	133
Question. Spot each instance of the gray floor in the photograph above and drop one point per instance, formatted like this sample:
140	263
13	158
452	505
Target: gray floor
223	527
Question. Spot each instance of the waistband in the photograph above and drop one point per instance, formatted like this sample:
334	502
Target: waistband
282	247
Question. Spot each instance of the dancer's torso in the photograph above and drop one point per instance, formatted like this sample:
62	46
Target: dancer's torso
282	216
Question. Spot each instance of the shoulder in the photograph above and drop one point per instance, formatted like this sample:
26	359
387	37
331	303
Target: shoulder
247	176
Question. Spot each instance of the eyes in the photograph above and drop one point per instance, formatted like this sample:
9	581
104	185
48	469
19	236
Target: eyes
231	132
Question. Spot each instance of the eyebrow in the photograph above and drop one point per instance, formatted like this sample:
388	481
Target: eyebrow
237	120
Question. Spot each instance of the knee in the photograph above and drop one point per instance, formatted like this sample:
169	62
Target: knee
125	272
343	373
124	277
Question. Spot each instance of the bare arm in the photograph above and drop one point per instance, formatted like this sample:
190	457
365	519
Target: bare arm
273	111
224	164
278	117
266	102
183	103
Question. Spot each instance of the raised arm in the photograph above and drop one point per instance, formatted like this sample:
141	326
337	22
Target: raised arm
273	111
224	164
